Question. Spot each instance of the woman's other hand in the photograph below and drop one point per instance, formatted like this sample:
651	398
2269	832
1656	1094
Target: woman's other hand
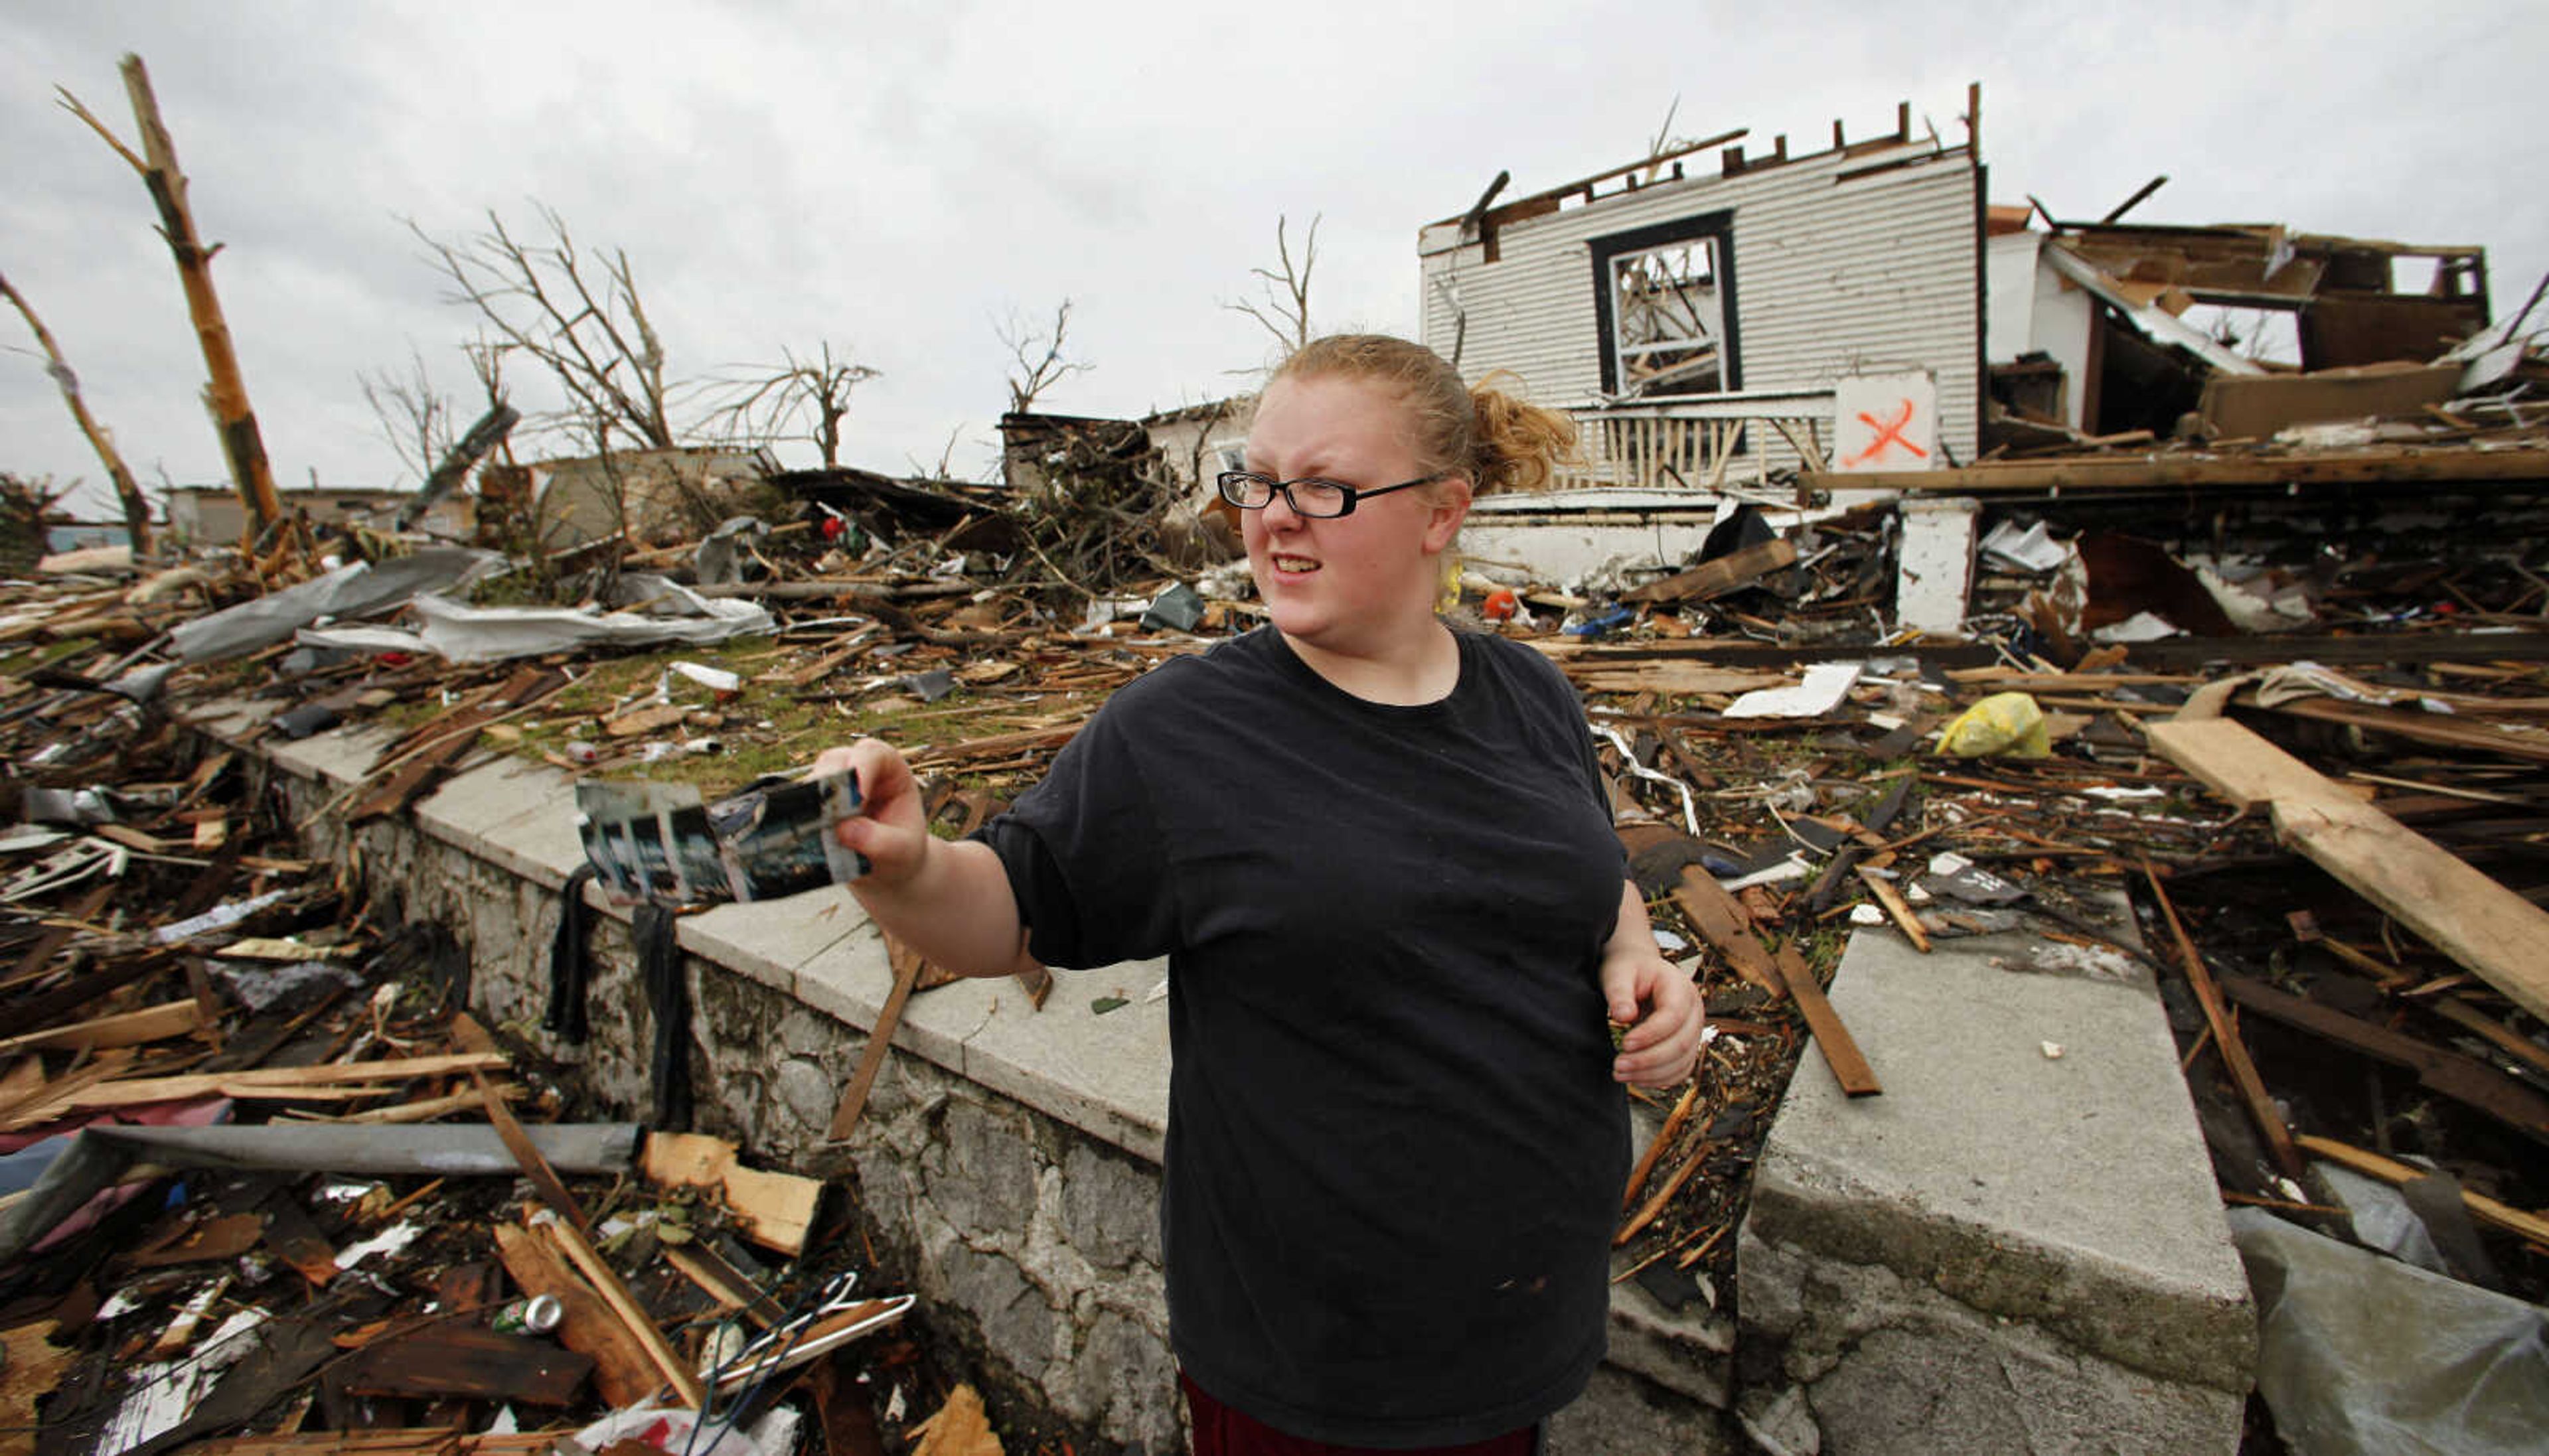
890	826
1660	1006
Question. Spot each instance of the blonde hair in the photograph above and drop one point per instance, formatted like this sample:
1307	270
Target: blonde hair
1500	442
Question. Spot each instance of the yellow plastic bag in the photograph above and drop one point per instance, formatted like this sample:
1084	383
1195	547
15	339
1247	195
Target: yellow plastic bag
2004	723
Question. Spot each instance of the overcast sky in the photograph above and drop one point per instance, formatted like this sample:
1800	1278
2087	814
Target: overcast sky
896	179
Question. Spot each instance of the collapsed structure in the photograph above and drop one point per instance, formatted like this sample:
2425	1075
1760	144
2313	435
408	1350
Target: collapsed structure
1936	589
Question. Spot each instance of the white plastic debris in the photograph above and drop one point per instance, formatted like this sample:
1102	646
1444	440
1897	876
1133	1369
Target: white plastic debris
715	680
2052	1050
1865	914
1826	685
2033	549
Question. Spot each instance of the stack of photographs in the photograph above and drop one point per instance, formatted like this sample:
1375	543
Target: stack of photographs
660	842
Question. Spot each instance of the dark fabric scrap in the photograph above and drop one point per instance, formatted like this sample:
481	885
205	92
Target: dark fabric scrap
568	963
668	994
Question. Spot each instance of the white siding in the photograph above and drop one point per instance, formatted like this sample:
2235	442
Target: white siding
1876	273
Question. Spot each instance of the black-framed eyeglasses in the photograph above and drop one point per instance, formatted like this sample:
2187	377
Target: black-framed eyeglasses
1308	495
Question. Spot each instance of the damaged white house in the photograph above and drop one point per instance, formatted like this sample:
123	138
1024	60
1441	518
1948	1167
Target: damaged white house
1692	314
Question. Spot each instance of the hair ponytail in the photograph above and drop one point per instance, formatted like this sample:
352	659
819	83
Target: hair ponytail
1516	445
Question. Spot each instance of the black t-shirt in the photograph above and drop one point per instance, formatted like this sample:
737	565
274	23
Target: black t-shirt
1394	1148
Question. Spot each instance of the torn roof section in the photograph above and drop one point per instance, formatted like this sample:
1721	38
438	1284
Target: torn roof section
1758	275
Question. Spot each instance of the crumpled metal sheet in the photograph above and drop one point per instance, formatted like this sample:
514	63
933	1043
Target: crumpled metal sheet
347	591
662	611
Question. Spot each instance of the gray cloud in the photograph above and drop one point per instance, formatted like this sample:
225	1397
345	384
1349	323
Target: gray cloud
895	178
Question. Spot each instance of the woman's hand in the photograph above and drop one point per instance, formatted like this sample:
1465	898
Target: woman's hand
1653	998
890	826
1662	1046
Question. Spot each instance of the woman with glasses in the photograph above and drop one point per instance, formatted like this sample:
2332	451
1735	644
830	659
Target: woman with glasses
1379	856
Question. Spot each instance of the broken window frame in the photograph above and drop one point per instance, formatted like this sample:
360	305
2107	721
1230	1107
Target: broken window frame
1709	234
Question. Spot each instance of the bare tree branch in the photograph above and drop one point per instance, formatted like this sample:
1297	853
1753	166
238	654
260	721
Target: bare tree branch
413	415
1037	374
583	323
801	398
1285	312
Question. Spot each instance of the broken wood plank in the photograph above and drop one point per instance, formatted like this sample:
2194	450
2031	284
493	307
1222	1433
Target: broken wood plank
723	1282
1716	577
1681	679
606	1281
48	945
75	994
1673	1120
224	1238
2464	1079
2444	729
2397	1174
2471	918
1723	923
854	1099
2226	1035
622	1372
1831	1038
336	1080
297	1240
468	1360
1896	908
774	1210
122	1029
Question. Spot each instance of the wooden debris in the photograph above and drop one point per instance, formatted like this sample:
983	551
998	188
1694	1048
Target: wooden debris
468	1360
32	1366
123	1029
1726	925
623	1304
776	1210
2464	1079
622	1369
223	1238
2226	1035
1839	1049
2472	918
1673	1120
1895	908
960	1428
854	1099
2485	1210
1714	578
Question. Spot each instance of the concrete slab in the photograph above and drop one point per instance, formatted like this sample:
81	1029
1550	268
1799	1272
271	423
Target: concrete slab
851	979
464	809
336	757
541	843
769	942
1104	1074
2070	1193
231	719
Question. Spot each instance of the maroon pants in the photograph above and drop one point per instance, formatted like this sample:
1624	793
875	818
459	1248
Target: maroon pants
1221	1432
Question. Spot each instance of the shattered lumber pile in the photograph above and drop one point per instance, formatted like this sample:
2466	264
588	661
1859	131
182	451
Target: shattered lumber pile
269	1189
1788	770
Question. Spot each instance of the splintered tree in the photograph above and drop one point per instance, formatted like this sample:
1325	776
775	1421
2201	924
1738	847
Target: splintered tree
136	510
156	163
415	418
1286	311
578	318
800	398
1037	372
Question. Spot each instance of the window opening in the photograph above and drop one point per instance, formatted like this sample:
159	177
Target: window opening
1668	320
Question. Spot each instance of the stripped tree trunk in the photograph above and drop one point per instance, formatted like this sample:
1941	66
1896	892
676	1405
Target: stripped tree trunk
136	510
227	394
